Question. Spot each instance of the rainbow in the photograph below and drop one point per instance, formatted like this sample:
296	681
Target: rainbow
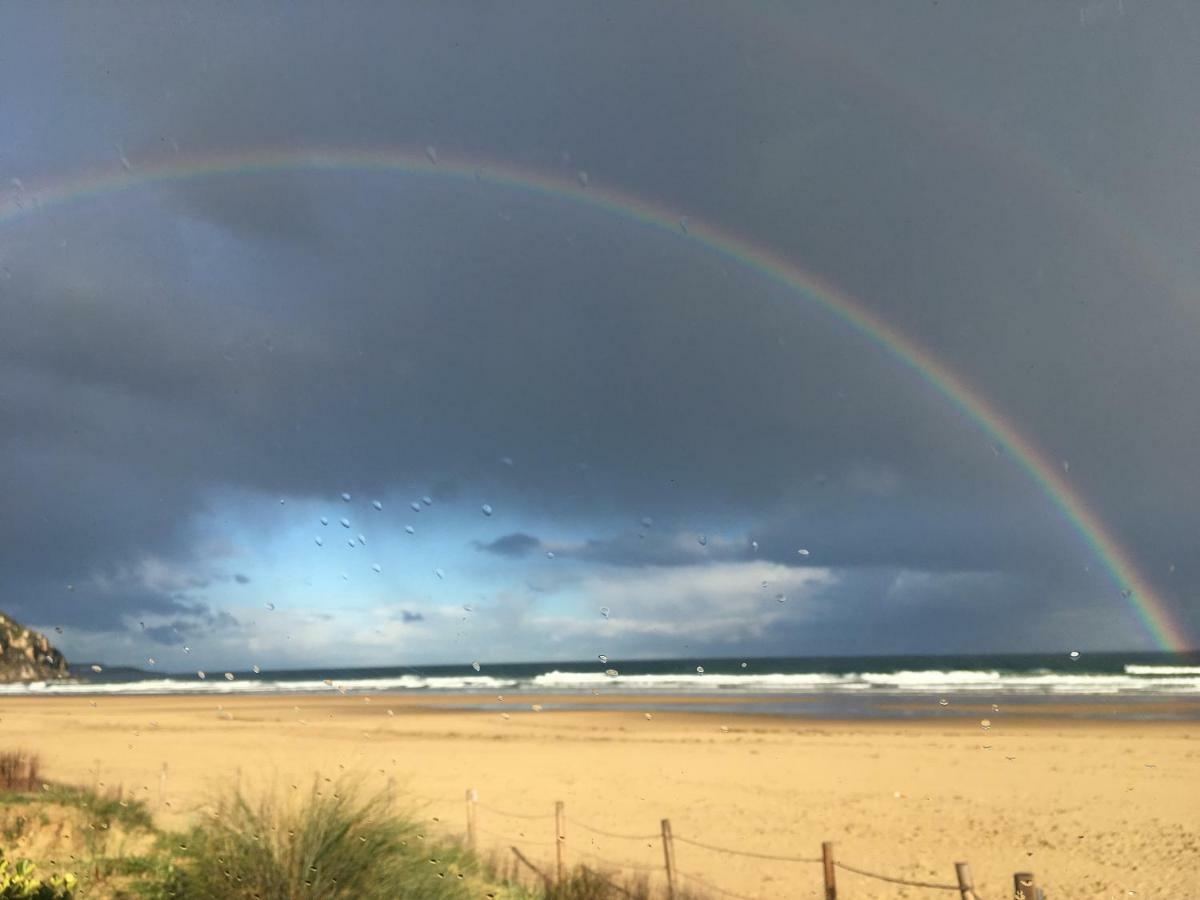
22	199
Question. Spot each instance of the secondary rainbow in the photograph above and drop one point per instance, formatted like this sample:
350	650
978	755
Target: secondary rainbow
21	199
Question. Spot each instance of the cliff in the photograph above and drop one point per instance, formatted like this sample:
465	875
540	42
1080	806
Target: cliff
26	655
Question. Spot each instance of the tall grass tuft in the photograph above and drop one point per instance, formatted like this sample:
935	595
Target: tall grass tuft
333	844
19	771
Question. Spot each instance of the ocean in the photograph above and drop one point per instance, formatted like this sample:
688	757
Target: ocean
1123	685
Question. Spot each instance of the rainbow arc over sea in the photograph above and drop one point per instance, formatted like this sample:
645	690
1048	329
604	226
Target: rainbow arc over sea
21	199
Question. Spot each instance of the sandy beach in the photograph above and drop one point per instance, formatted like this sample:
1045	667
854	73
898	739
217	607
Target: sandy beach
1094	808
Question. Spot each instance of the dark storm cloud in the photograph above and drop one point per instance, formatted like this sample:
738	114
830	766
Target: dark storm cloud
301	333
516	544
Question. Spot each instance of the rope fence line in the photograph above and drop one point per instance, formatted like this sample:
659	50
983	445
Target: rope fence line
613	834
892	880
1024	882
751	854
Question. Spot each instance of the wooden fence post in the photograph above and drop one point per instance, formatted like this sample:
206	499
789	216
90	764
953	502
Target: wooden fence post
965	886
560	838
830	879
1024	887
668	842
472	799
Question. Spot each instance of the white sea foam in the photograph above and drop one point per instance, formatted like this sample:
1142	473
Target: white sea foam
264	686
1162	670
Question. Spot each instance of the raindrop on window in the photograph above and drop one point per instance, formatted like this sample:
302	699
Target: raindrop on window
507	460
345	523
319	542
754	546
603	658
702	540
1074	654
229	676
58	628
943	702
97	668
647	522
802	552
151	660
324	521
361	539
376	567
200	674
345	497
700	670
605	611
256	670
780	598
409	529
683	224
269	605
611	673
744	665
536	707
431	154
350	543
415	506
486	509
649	716
378	504
282	501
439	573
475	666
582	177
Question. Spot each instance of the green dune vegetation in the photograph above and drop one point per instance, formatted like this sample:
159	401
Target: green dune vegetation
330	840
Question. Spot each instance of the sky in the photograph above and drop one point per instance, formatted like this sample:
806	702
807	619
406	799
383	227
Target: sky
193	372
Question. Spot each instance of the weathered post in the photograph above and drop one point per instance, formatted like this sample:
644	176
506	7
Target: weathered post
830	878
668	842
1024	886
472	799
560	838
965	886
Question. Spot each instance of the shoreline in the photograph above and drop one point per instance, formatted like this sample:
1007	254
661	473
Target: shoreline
1095	807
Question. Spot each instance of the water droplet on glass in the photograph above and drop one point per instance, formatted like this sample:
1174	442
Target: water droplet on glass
1074	654
943	702
536	707
780	598
647	522
439	573
361	539
187	649
700	670
549	554
802	552
702	540
345	523
345	497
408	529
58	628
486	509
1127	593
985	723
649	716
995	708
319	541
744	665
507	460
378	504
754	546
611	673
475	666
256	670
603	658
582	177
324	521
200	674
229	676
427	500
350	543
97	668
151	660
282	501
376	567
415	506
431	154
605	611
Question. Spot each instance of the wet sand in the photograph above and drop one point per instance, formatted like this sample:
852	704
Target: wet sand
1095	808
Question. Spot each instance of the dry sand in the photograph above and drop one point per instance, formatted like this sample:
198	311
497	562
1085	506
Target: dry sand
1094	808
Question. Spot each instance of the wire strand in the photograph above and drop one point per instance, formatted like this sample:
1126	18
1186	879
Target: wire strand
715	849
514	815
892	880
613	834
519	839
